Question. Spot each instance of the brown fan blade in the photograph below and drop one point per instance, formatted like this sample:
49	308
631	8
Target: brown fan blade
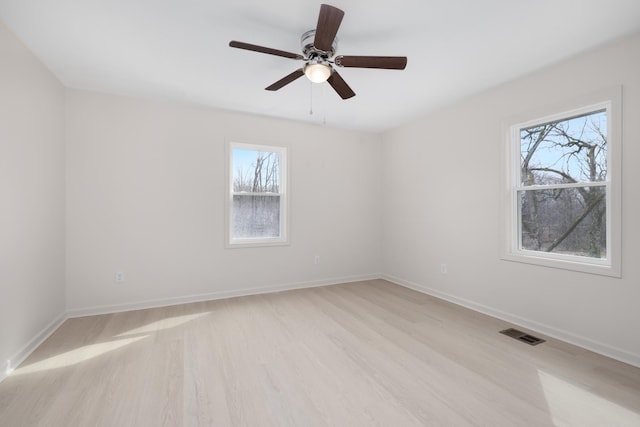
386	62
340	86
286	80
329	21
262	49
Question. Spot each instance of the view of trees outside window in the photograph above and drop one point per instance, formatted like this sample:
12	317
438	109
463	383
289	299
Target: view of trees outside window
255	213
562	193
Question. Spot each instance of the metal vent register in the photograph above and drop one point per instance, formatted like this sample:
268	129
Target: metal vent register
522	336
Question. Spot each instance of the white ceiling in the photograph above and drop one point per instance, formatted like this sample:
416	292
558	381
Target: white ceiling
178	49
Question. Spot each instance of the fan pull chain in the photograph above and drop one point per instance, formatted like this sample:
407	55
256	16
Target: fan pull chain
310	98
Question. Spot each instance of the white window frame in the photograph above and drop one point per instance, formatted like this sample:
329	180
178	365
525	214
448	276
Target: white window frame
611	101
283	239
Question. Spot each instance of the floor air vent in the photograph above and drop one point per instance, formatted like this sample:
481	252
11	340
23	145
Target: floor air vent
522	336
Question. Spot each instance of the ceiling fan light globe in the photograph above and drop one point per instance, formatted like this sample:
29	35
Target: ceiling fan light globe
317	73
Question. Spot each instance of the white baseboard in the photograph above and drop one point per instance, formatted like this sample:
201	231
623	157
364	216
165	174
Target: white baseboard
580	341
163	302
28	348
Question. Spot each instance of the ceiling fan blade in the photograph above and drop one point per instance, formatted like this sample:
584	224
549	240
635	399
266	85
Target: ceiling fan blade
386	62
262	49
286	80
340	86
329	21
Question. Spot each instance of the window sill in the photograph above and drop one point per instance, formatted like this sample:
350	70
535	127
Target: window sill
255	243
563	264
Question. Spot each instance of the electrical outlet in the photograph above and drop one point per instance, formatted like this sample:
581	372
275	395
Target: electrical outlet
316	260
443	268
119	277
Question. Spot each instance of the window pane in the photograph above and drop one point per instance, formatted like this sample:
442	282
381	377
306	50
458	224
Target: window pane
565	151
256	171
255	216
565	221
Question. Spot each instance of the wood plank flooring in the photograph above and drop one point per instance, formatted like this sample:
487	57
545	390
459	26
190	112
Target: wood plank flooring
359	354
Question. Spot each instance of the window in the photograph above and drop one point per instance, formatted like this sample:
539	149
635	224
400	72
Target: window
257	200
563	206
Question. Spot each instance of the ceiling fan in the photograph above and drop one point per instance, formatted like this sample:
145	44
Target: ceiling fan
318	48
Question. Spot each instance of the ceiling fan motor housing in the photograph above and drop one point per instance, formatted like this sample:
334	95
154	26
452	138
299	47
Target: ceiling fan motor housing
311	52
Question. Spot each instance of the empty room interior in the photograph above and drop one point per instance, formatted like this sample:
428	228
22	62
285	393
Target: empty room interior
428	218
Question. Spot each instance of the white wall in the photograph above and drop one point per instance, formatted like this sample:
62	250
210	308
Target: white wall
442	200
146	196
32	298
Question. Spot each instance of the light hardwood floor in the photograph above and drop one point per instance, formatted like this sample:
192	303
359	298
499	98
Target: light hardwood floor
357	354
